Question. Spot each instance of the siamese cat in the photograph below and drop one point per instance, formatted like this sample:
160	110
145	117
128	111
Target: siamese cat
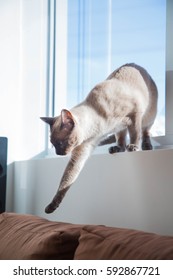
126	102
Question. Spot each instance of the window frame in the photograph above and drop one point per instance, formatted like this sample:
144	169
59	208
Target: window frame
165	141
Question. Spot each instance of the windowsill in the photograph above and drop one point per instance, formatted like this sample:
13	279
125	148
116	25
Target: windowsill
102	151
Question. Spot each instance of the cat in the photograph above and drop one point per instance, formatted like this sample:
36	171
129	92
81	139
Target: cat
126	102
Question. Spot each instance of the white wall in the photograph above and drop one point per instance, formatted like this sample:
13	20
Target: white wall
132	190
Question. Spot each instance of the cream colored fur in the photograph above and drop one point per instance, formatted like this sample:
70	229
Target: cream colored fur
126	102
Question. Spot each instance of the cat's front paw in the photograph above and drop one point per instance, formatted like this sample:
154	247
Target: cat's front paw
132	148
50	208
116	149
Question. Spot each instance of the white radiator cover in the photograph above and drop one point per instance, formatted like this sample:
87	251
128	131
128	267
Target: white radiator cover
131	190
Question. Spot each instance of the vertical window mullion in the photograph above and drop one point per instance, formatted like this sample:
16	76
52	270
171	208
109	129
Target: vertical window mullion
109	36
81	49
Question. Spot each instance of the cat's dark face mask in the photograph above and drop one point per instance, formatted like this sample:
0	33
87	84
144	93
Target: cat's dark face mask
61	147
61	129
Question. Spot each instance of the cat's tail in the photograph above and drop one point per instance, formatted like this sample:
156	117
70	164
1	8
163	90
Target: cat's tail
108	140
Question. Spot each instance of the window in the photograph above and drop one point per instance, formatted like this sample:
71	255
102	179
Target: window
93	38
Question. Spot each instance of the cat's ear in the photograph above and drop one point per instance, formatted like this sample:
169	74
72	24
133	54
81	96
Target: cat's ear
67	118
48	120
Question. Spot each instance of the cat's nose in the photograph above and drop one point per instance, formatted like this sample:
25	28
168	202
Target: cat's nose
60	152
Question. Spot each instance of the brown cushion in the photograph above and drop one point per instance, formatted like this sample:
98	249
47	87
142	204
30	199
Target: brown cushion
106	243
31	237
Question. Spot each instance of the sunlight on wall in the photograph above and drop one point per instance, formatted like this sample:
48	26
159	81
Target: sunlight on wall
23	76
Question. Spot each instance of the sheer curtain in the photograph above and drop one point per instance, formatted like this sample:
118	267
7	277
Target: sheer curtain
23	72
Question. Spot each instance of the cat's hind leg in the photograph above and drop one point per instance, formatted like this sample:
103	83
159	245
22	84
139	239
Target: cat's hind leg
121	142
146	140
108	140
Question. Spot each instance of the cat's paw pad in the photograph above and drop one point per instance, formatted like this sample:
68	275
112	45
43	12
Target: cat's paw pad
50	208
132	148
146	146
115	149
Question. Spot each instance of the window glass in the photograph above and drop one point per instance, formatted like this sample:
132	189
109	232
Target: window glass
102	35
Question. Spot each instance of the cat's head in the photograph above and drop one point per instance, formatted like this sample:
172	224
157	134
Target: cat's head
63	132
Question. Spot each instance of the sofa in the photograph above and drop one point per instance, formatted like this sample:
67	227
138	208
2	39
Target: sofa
29	237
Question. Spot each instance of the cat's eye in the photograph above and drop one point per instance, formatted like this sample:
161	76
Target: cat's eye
60	143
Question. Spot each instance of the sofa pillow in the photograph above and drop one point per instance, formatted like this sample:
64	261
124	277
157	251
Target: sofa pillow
106	243
31	237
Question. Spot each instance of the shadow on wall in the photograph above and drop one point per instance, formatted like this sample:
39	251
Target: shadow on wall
21	184
10	188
